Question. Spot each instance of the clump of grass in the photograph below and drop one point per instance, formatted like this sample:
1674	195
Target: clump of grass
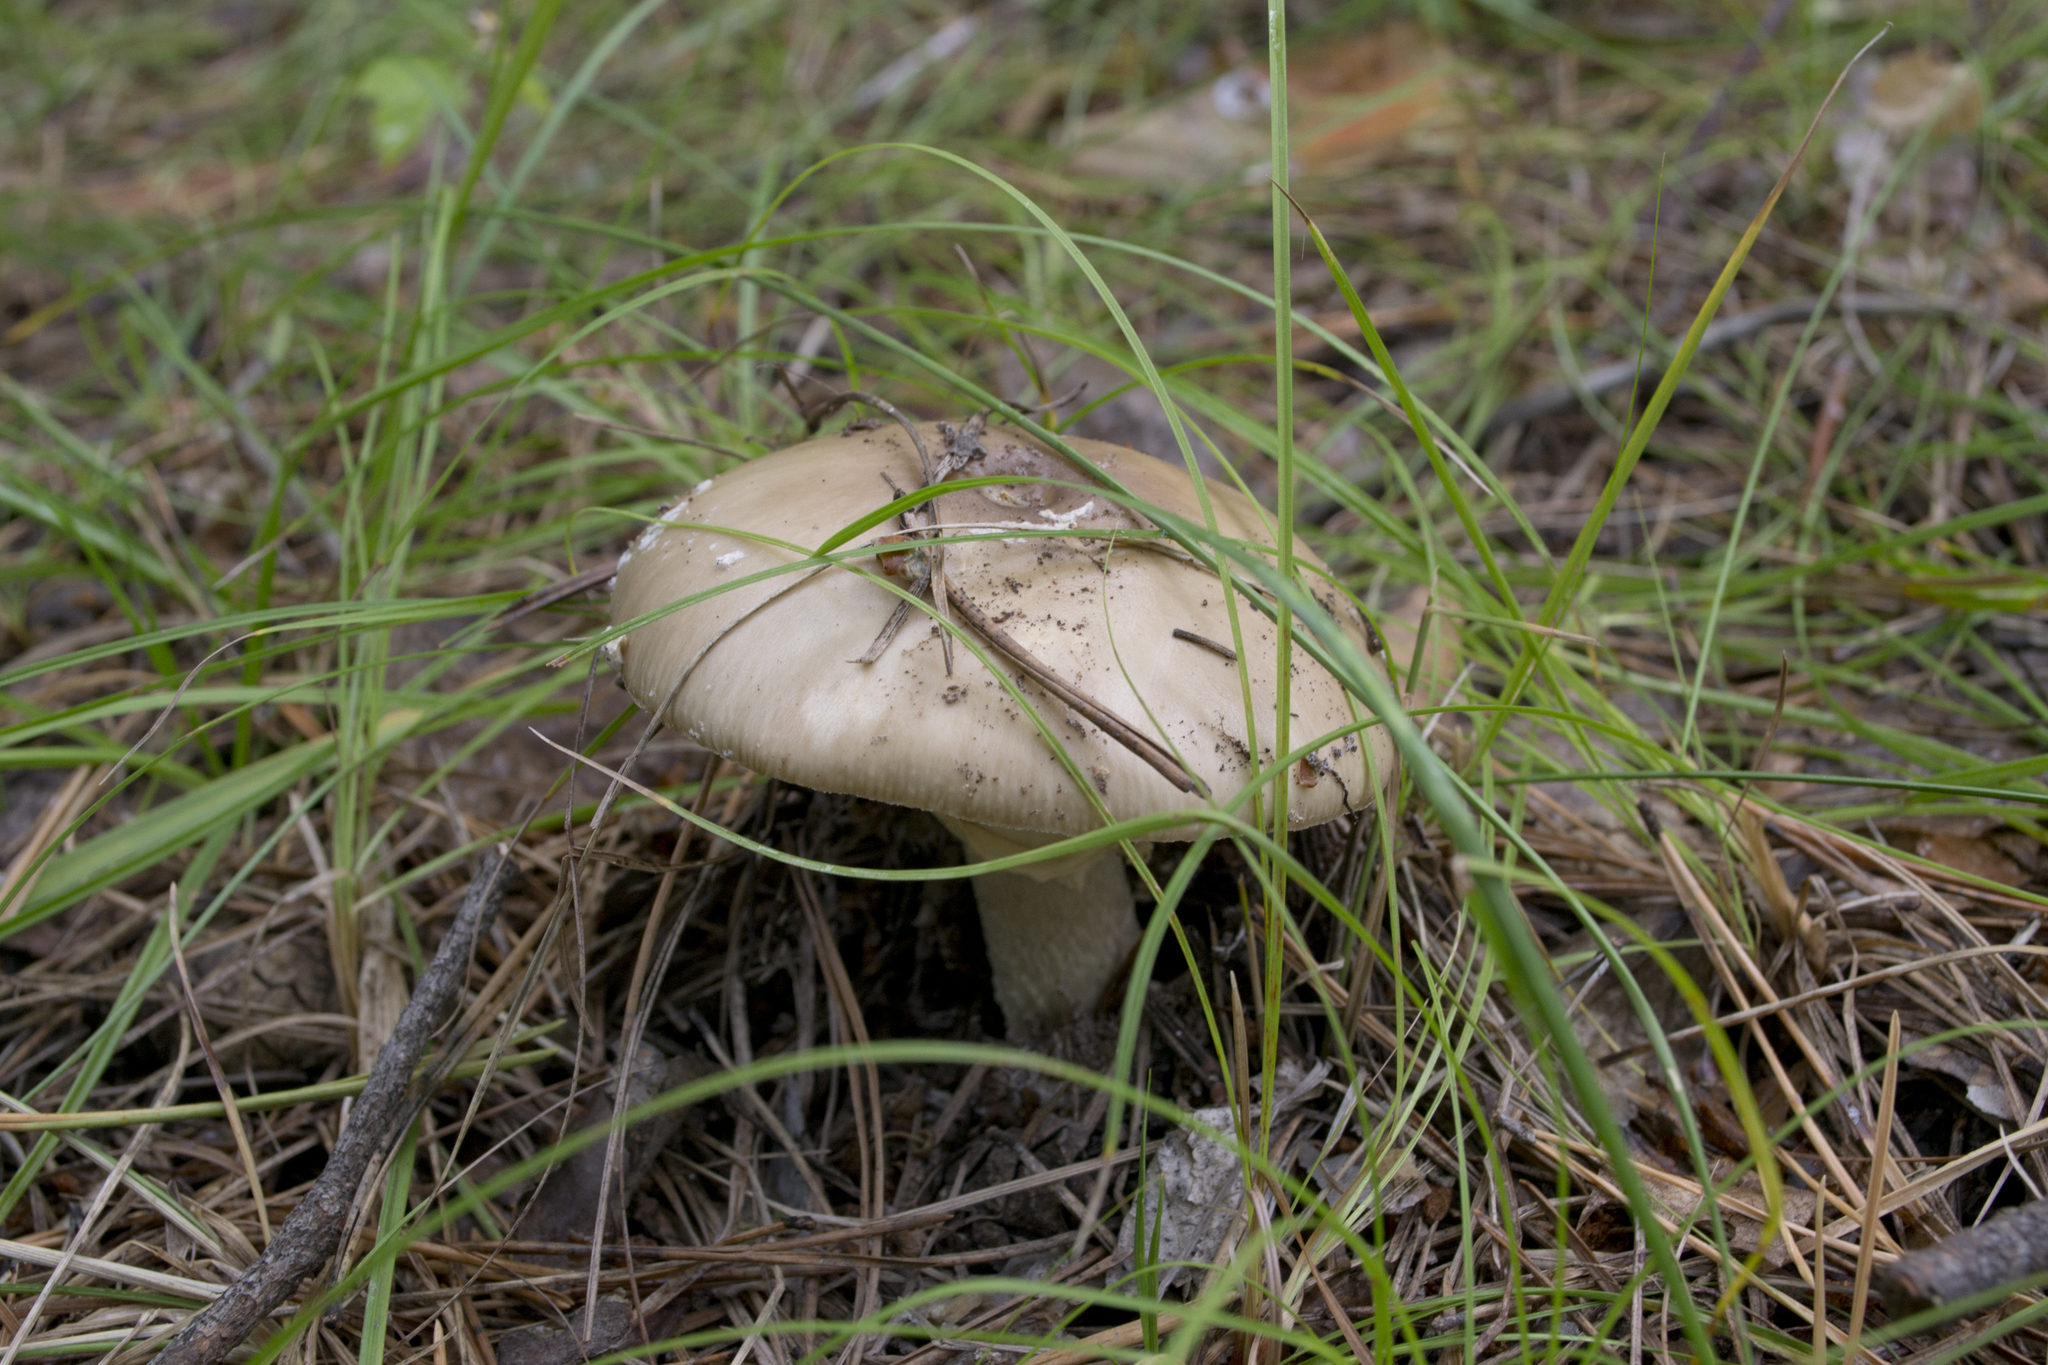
332	335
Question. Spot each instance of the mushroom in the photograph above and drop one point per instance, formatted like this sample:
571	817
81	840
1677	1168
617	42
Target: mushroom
1120	644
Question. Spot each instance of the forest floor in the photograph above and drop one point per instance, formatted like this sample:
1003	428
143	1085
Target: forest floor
329	332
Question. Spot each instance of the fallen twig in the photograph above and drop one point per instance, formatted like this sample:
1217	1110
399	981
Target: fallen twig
1605	378
2008	1248
1164	763
1228	654
540	599
308	1237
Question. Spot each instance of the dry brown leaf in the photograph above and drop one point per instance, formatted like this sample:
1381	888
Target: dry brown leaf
1351	102
1742	1209
1782	761
2020	285
1979	1079
1200	137
1963	843
301	719
1359	100
1910	90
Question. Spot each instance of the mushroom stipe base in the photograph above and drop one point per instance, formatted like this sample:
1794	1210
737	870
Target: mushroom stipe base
1056	944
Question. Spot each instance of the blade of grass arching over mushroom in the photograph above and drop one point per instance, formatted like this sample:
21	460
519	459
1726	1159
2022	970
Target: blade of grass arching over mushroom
1523	962
1564	587
1052	439
974	393
790	289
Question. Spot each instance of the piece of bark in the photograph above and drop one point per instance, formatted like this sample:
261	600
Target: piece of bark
2007	1248
390	1100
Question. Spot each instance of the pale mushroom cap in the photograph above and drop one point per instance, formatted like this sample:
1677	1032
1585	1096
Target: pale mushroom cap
770	678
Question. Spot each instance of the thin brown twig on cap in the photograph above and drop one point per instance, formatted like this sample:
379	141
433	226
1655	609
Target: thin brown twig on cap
1222	650
309	1235
1007	645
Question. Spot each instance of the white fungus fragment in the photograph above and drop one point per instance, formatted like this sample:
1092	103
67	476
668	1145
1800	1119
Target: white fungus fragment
1065	520
726	561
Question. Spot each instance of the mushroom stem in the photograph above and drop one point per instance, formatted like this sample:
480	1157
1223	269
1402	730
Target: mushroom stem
1054	945
1057	931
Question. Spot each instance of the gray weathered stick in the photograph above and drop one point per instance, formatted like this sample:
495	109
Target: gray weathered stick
2009	1247
390	1099
1646	372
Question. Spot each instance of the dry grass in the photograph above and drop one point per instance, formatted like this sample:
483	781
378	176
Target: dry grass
1769	790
